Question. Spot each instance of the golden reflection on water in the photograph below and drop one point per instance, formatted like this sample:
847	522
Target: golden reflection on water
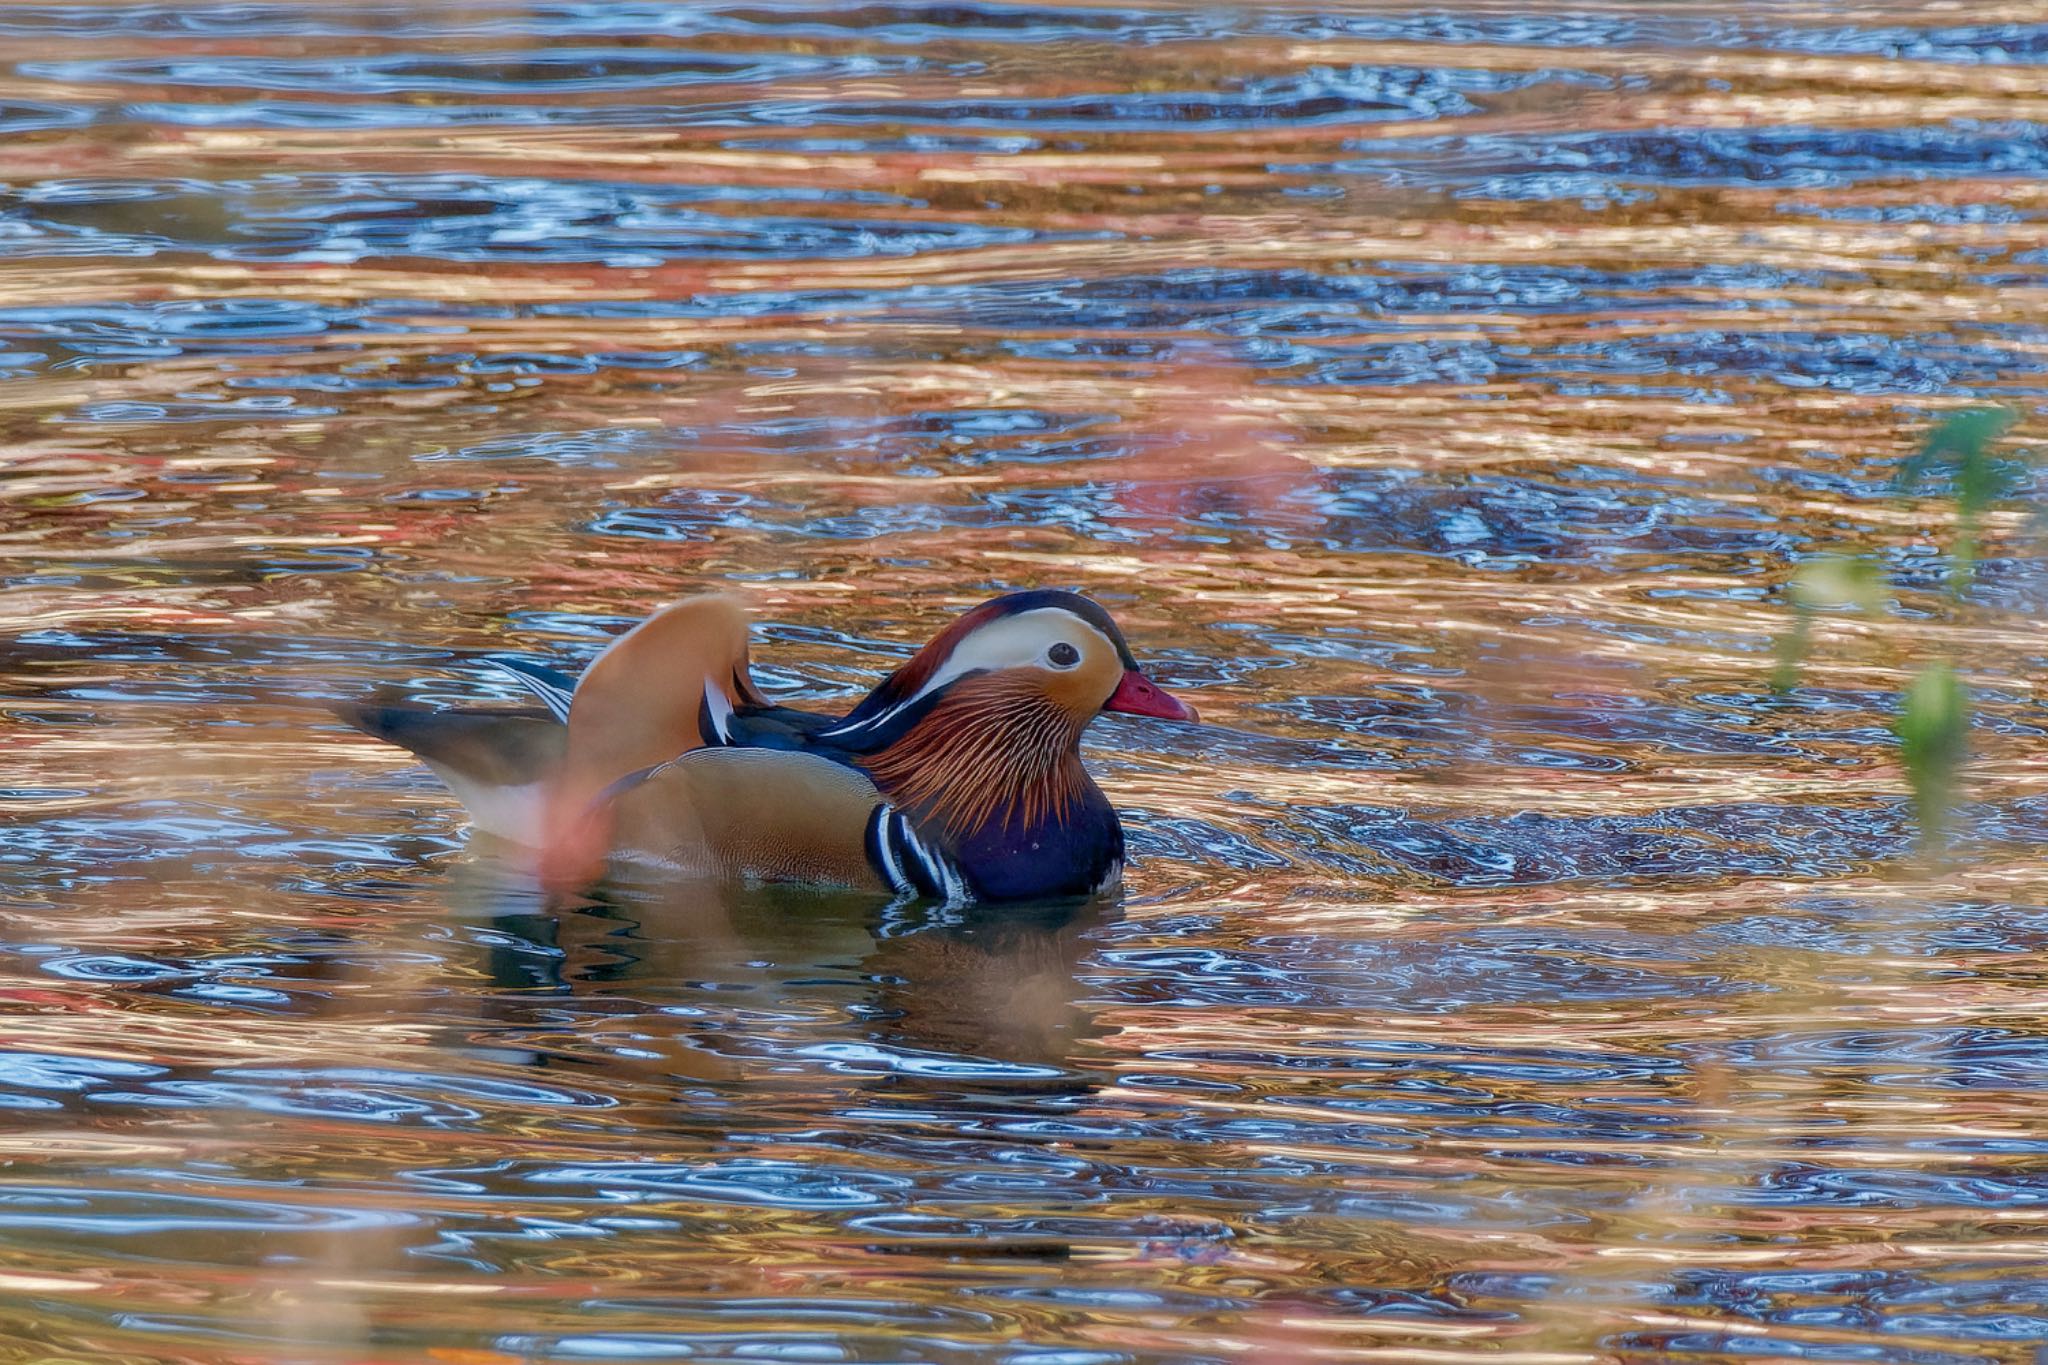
1506	974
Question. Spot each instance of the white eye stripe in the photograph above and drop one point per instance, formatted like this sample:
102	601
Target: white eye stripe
1012	642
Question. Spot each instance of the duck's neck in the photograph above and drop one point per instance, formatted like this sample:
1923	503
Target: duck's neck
990	754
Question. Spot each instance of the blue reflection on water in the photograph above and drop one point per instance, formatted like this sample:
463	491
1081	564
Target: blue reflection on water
700	280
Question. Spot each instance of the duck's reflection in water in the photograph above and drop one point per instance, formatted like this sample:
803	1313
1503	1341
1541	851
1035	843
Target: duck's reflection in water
710	983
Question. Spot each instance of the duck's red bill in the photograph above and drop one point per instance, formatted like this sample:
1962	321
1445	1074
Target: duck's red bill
1138	695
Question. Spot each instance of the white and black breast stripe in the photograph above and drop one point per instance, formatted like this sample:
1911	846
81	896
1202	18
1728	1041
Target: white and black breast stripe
909	864
878	841
941	878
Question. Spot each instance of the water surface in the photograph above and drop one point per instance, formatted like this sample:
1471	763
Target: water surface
1442	397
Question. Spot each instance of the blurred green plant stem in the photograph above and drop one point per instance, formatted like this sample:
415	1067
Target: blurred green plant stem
1958	458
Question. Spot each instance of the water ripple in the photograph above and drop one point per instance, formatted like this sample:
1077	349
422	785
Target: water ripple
1444	398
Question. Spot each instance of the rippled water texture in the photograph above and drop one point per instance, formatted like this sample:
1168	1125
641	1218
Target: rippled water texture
1442	398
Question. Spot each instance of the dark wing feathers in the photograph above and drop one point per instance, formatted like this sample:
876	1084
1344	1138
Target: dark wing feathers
556	690
502	748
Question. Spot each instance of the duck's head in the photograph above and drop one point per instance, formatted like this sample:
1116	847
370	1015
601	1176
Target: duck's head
1044	650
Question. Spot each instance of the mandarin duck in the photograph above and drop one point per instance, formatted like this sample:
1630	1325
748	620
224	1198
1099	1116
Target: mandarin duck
959	777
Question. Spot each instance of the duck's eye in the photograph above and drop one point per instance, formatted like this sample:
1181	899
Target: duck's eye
1063	655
